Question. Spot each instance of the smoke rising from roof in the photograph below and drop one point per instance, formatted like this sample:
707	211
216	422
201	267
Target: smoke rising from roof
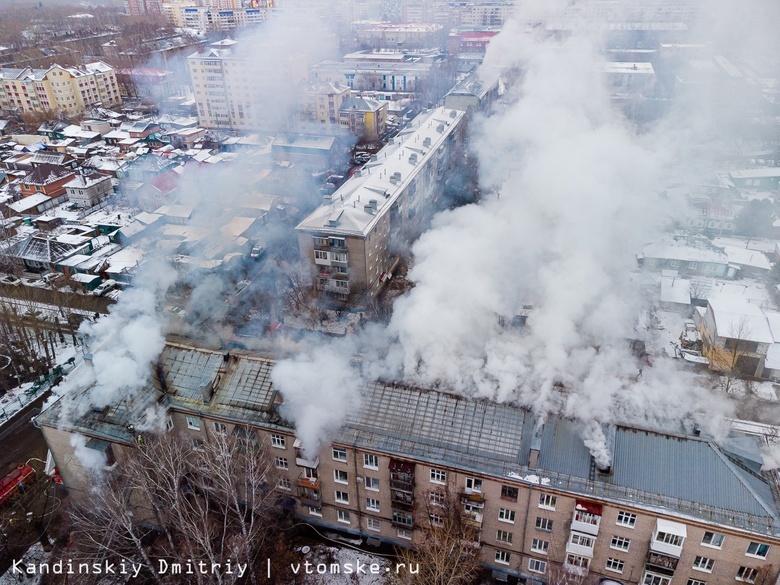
578	195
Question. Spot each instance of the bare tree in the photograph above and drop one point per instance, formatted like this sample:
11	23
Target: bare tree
727	358
173	500
448	552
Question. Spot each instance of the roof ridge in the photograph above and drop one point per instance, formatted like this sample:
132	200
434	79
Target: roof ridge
735	469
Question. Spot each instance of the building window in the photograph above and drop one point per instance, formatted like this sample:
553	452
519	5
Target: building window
473	485
540	546
504	537
401	517
339	454
668	538
703	564
547	501
615	565
693	265
438	476
342	497
281	463
370	461
320	255
373	524
502	557
626	519
277	441
436	520
314	512
169	423
537	566
696	582
712	539
756	549
509	493
219	427
284	484
747	574
405	534
340	476
193	423
505	515
544	524
343	516
620	543
372	504
372	483
586	517
437	499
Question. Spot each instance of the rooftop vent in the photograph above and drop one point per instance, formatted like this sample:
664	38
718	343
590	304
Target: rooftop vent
453	114
368	209
427	142
373	204
333	220
373	158
413	158
327	199
440	128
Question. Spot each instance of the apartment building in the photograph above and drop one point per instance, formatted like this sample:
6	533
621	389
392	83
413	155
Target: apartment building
238	91
480	14
373	76
64	90
365	118
670	509
318	109
351	241
393	36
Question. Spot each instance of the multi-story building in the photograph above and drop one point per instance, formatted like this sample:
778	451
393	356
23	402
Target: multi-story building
350	241
373	76
670	508
318	108
394	36
204	19
238	91
144	7
480	14
87	190
64	90
46	179
363	117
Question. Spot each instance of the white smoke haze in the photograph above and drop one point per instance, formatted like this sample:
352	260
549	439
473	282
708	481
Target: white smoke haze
123	345
771	456
578	197
316	385
90	459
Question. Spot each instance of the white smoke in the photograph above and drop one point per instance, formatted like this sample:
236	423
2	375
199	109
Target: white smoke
578	196
90	459
318	386
123	345
771	456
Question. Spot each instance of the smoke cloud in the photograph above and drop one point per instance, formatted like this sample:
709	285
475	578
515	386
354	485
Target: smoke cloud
578	195
91	459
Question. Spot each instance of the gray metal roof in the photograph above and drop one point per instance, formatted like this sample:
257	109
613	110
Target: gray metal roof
684	475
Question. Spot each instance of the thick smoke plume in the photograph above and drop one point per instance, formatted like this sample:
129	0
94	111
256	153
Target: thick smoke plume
577	197
122	345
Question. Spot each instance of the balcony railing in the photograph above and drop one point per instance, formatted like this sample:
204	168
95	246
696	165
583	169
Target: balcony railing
312	483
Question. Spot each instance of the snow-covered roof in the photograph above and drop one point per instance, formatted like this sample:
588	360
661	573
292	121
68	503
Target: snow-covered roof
743	257
740	320
404	157
675	290
29	203
685	249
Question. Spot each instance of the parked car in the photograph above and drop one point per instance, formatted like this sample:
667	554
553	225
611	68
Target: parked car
104	288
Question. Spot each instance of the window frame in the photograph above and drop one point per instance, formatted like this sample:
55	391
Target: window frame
547	501
614	546
707	565
193	423
370	457
537	566
343	516
506	515
340	476
278	441
618	565
540	549
543	524
759	546
630	516
502	557
714	535
371	480
438	476
340	451
341	497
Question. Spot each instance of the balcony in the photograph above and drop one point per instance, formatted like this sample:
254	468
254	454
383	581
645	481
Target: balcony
401	499
311	503
581	545
668	538
337	286
473	519
660	563
473	498
303	462
586	522
312	483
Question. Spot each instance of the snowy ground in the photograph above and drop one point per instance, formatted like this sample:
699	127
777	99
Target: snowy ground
35	554
17	398
322	559
764	390
665	330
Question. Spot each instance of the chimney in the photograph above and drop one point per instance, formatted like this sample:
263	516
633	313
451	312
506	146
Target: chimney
536	445
206	390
